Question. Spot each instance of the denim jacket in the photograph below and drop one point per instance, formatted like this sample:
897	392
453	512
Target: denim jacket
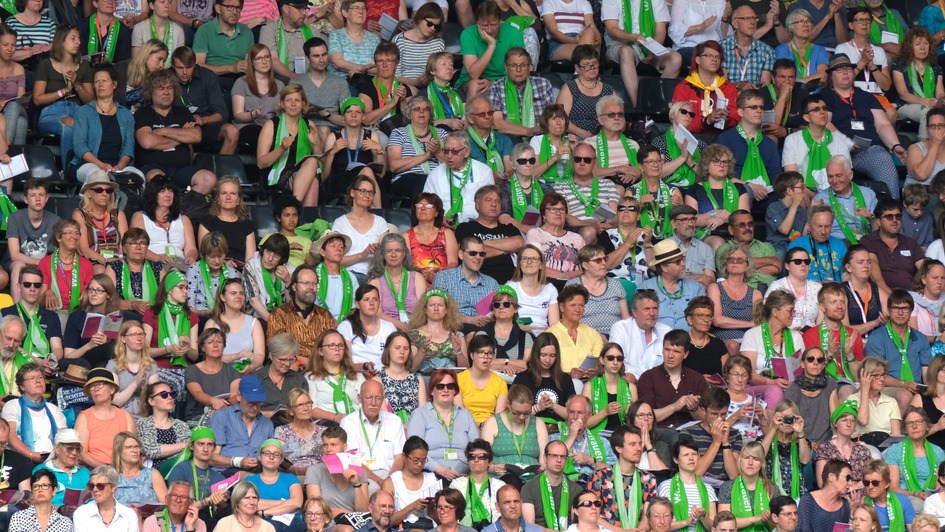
87	133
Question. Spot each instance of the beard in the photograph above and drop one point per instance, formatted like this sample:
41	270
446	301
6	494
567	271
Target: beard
7	353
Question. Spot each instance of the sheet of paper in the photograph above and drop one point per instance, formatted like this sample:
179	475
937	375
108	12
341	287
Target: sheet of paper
531	216
388	25
721	103
75	497
682	134
15	167
861	142
889	38
590	362
604	212
768	117
658	49
337	463
226	483
299	65
782	368
93	324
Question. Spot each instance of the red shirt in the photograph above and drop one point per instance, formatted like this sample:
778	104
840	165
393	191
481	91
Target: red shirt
812	339
151	319
686	92
65	278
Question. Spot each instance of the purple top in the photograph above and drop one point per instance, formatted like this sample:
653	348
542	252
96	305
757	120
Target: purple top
9	86
389	305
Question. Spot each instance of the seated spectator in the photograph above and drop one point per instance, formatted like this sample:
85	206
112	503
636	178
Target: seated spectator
640	337
825	251
656	197
656	452
700	263
584	193
448	106
171	233
44	335
333	382
349	56
927	295
165	133
286	210
206	277
806	313
927	399
266	276
748	409
510	96
157	16
415	150
924	160
868	57
59	92
536	300
101	223
522	190
32	31
475	175
569	26
43	486
685	486
222	45
917	94
64	464
671	285
735	494
481	492
513	344
447	457
865	301
784	217
357	328
809	151
785	98
889	504
671	389
491	148
871	123
715	195
279	493
501	240
99	425
352	494
877	413
245	500
31	436
933	502
336	285
575	338
450	506
550	386
773	338
756	69
383	93
912	477
291	159
558	245
362	228
589	453
234	445
228	216
732	298
405	391
150	57
400	285
810	59
828	504
283	352
814	392
707	350
626	477
300	316
492	396
387	428
27	243
851	204
135	290
132	365
136	483
197	469
916	222
368	153
519	421
254	96
678	163
709	434
483	61
162	437
607	302
704	87
171	329
323	89
433	246
12	331
842	446
178	502
551	489
579	102
112	38
895	256
842	345
741	226
468	285
104	482
617	154
285	38
554	145
302	437
419	46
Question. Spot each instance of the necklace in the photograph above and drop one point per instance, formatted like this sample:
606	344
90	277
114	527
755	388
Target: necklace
591	87
252	521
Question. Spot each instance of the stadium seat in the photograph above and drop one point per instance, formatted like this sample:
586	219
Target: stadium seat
63	206
222	165
322	212
262	217
42	164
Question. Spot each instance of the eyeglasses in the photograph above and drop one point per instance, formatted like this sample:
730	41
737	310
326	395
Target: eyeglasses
333	347
861	20
900	308
798	262
164	395
612	116
717	57
685	219
739	375
424	205
270	454
687	112
486	354
817	109
178	497
440	386
484	114
530	160
598	260
389	61
453	151
31	285
42	487
263	58
418	461
102	190
891	217
285	361
231	8
304	404
556	210
518	66
476	253
501	304
754	107
873	483
916	423
653	161
702	316
737	260
445	508
434	25
97	486
589	66
803	21
312	515
530	260
623	208
818	360
611	358
72	448
584	160
365	191
723	162
95	290
589	504
477	456
754	18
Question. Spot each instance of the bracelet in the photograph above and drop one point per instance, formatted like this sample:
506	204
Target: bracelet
874	69
724	447
61	92
727	21
357	485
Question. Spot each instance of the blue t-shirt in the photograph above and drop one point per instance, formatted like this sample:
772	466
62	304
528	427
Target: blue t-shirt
770	155
278	491
920	230
827	261
918	352
818	56
204	478
775	215
894	457
828	36
78	481
908	511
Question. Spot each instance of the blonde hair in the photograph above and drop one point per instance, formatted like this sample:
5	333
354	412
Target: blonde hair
121	350
755	450
138	67
119	444
241	212
451	322
111	304
316	365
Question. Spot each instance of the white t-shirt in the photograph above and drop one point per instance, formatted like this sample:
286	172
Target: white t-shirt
385	439
613	10
805	308
936	251
536	307
796	152
360	242
753	342
42	430
569	16
368	350
692	493
688	13
335	294
879	59
438	183
142	32
323	393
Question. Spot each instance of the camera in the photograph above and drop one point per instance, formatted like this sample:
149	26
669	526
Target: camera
787	420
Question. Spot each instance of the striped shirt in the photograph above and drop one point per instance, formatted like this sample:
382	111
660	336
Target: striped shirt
607	192
259	8
39	33
569	16
400	137
413	55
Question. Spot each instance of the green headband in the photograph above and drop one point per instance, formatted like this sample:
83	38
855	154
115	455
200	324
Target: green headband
847	407
353	100
507	290
172	279
202	433
270	441
434	292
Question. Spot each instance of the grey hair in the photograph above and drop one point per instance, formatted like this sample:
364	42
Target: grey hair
461	136
379	261
836	159
413	102
240	490
472	101
587	402
794	15
180	482
674	109
488	189
727	252
282	344
7	320
106	471
610	98
640	295
519	149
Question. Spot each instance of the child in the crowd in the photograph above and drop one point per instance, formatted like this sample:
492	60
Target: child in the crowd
916	223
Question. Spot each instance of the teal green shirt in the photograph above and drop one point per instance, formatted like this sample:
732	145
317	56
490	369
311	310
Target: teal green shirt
222	49
757	249
471	43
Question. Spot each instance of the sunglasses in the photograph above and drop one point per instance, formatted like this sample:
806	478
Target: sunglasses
476	253
892	217
585	160
687	112
501	304
478	456
623	208
31	285
451	151
611	358
434	25
819	360
93	486
530	160
798	262
874	483
613	115
102	190
588	504
446	386
163	395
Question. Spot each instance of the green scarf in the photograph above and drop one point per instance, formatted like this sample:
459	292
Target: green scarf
384	95
173	322
418	149
273	289
555	520
346	284
205	273
729	196
795	468
754	167
35	341
902	344
677	494
493	158
519	203
599	398
818	154
787	343
400	298
456	190
741	506
111	40
801	63
603	154
522	113
283	46
544	153
303	148
832	369
645	17
892	26
840	213
897	522
446	102
148	283
925	89
650	216
590	203
55	265
683	175
908	466
339	395
629	511
477	509
9	6
6	209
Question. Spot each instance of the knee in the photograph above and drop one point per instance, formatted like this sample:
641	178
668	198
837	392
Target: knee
231	132
67	121
202	182
150	175
589	234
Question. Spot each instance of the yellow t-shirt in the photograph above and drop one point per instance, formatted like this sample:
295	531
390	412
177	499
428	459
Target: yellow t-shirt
589	342
481	402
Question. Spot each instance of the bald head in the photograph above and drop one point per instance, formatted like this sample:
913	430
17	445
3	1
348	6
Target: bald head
371	398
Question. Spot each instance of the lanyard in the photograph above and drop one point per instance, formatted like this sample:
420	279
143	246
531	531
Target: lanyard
850	102
449	430
864	304
744	67
357	149
366	438
519	445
